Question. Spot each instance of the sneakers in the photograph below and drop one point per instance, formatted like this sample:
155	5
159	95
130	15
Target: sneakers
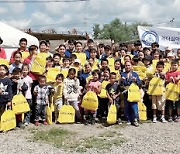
170	119
26	124
128	122
93	121
37	123
163	120
177	119
119	121
135	123
85	122
154	120
20	125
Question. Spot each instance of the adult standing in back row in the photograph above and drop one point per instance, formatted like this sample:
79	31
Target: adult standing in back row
22	48
2	51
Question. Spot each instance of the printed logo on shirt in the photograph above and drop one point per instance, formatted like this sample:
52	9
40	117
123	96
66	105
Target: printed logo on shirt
3	88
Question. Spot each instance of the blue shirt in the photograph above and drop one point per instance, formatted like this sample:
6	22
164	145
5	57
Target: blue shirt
68	53
128	82
82	78
87	52
135	53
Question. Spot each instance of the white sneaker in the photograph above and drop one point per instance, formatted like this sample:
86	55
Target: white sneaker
154	120
163	120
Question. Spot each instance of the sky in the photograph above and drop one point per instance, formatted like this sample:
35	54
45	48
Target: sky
83	15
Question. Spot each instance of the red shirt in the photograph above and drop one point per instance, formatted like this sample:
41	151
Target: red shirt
12	55
27	60
173	74
2	53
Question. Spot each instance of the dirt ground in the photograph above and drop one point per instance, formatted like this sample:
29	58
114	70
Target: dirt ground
147	138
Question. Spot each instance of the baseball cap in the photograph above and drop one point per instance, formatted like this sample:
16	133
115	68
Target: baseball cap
77	61
170	54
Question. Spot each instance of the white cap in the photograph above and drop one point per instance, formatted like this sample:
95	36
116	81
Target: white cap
170	54
77	61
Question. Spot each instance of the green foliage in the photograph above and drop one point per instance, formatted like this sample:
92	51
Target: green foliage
72	142
53	136
117	31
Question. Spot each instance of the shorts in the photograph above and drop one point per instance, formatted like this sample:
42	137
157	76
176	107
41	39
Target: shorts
170	105
158	102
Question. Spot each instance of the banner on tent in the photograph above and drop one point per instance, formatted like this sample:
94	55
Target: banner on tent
165	36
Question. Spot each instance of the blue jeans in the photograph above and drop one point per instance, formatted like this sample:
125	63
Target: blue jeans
40	112
28	114
130	110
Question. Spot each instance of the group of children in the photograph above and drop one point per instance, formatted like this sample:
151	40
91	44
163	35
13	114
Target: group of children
106	70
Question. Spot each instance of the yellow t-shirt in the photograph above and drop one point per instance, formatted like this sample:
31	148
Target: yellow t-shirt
58	91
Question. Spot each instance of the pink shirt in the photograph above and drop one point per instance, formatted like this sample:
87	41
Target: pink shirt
93	86
173	74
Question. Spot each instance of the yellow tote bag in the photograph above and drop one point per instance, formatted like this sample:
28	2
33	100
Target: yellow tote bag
139	68
134	93
81	57
111	62
112	114
64	72
90	101
20	104
103	89
48	115
52	73
24	55
66	114
142	111
52	103
172	92
89	78
156	87
8	120
4	61
38	65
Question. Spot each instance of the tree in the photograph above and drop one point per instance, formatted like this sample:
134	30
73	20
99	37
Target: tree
117	31
97	31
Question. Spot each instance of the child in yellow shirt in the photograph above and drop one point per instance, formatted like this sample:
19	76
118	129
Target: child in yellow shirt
58	94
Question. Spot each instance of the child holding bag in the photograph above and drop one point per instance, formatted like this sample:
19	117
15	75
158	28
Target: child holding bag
113	93
95	86
58	94
72	91
28	81
18	86
173	77
158	102
5	88
130	108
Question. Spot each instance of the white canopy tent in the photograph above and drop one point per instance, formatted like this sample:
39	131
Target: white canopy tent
11	37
